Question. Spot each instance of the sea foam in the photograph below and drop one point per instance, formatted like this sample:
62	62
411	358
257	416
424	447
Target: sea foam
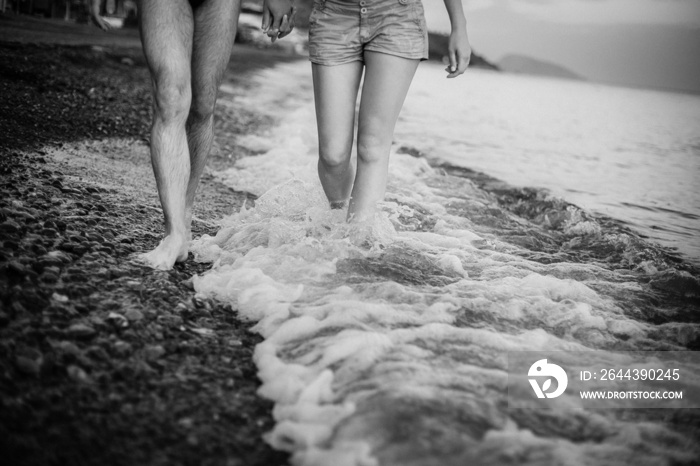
385	342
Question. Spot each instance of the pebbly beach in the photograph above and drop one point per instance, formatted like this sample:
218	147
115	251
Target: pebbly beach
288	337
104	361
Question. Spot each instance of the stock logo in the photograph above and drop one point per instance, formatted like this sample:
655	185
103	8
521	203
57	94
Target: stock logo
542	369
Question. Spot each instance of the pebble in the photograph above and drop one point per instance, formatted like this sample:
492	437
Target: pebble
16	269
95	237
68	347
153	352
76	238
48	277
81	331
180	308
28	366
170	320
54	259
39	250
133	315
79	249
192	440
122	348
118	319
8	226
78	374
50	232
186	422
9	244
59	298
188	283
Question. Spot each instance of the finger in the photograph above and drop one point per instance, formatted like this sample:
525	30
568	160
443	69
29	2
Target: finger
274	30
284	27
276	22
287	25
462	64
453	61
265	20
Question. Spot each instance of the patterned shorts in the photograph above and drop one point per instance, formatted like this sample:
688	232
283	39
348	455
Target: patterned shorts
340	31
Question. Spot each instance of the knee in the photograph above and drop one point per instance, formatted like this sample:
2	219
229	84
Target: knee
335	156
202	109
172	98
371	148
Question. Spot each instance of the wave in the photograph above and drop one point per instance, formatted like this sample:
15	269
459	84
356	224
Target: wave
386	342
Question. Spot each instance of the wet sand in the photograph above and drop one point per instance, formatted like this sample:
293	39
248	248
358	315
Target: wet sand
104	361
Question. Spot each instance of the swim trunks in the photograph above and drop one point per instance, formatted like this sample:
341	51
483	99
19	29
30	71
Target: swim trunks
340	31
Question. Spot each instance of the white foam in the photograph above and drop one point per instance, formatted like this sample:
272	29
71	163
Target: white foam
363	321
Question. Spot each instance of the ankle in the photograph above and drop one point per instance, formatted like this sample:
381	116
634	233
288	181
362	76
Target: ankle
338	205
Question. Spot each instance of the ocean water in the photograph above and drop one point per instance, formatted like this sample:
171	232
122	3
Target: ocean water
629	154
387	342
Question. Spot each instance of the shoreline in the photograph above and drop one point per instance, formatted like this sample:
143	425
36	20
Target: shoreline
104	360
109	361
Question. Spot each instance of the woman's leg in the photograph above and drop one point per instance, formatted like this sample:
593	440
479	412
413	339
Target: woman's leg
387	79
335	93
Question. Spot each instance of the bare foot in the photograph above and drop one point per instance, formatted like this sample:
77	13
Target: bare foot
172	248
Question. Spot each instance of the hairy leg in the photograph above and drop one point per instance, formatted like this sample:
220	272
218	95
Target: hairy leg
215	24
335	94
387	79
166	33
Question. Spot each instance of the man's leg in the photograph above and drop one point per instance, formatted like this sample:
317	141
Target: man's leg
215	23
166	33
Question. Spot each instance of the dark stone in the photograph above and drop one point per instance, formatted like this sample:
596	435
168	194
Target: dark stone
68	247
9	244
28	366
76	238
16	270
35	302
39	250
50	232
48	278
80	249
8	226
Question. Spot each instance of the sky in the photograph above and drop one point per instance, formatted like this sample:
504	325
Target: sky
642	43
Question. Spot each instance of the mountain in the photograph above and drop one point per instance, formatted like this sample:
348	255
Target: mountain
437	50
527	65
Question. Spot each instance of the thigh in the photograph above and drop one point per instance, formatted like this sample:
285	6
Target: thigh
215	24
166	34
387	79
335	96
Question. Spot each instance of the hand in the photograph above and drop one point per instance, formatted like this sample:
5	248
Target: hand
95	16
100	22
459	52
279	18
